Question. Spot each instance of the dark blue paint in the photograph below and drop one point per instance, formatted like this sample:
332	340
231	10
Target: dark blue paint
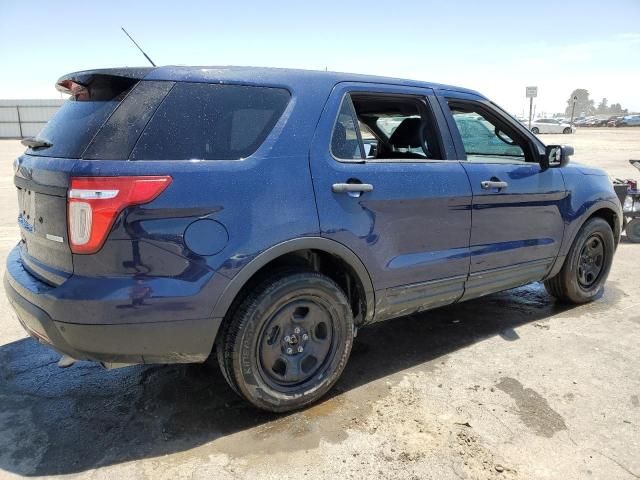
519	224
424	232
206	237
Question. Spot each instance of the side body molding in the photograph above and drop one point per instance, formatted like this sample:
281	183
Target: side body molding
289	246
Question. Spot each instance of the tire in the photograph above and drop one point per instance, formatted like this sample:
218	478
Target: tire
586	266
566	131
287	342
632	230
535	130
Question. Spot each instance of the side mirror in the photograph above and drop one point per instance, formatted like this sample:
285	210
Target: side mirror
556	156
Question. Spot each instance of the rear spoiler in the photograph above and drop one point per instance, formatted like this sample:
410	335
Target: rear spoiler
86	77
96	84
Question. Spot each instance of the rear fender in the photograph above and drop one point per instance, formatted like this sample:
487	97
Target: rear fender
316	243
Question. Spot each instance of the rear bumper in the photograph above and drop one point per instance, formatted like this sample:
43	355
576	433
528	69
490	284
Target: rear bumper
168	341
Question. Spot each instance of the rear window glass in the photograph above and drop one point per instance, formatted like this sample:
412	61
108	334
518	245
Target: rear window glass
211	122
79	119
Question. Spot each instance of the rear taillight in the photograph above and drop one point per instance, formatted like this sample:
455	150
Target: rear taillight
95	202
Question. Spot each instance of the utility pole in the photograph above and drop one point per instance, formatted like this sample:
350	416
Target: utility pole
19	120
573	109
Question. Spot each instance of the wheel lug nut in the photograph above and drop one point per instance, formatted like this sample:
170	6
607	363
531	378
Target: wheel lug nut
289	350
300	349
296	330
287	338
305	336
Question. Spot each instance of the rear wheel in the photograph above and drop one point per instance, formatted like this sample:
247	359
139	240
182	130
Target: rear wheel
566	130
288	341
586	266
535	130
633	230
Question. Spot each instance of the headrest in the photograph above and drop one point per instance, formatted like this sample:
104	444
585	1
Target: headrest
408	133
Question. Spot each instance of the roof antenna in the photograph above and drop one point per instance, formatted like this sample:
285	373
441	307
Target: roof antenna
136	44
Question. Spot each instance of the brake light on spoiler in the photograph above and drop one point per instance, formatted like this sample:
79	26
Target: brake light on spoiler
94	203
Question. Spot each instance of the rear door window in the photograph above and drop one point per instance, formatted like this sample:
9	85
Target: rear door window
383	127
211	122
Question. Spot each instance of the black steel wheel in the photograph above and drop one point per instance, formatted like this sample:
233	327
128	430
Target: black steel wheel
586	265
288	341
295	342
591	261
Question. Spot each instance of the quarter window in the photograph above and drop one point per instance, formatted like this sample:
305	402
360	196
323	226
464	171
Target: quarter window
211	122
345	144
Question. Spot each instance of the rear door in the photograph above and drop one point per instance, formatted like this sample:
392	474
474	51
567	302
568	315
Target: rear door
396	203
517	226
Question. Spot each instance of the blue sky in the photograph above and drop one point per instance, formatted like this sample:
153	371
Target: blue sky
496	47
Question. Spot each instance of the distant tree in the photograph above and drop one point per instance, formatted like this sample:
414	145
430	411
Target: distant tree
603	106
583	104
616	109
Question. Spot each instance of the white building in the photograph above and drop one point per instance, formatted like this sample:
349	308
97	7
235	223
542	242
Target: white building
25	118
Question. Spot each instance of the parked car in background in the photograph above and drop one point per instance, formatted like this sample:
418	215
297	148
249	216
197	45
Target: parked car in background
582	121
550	125
594	122
630	121
180	214
615	120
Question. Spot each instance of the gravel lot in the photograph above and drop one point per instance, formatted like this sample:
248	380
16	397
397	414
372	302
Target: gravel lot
508	386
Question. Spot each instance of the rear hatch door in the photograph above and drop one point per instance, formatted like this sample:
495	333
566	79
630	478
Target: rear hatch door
43	173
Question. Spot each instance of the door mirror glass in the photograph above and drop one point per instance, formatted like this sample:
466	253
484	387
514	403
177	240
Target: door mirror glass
557	155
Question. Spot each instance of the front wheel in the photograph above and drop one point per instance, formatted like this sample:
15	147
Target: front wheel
586	266
535	130
288	341
566	130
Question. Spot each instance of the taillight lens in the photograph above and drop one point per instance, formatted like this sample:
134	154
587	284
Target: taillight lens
95	202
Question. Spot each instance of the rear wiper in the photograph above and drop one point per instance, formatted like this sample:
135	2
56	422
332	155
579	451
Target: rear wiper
33	142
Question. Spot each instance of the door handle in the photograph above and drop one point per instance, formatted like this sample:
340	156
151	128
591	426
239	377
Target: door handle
489	184
351	187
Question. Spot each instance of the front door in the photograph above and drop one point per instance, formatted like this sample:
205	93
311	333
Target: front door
384	190
517	226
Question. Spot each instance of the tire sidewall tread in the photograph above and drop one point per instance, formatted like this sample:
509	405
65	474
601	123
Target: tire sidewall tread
565	286
238	352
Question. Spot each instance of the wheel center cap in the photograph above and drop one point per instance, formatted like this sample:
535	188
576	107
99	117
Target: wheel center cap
293	339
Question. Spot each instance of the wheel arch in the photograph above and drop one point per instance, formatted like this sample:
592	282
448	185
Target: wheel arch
604	209
611	217
290	250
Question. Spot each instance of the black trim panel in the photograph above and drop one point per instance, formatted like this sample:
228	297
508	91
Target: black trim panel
496	280
417	297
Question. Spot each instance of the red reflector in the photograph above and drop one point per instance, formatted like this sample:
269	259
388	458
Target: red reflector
93	204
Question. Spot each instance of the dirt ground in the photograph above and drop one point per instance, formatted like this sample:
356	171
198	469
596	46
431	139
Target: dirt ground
508	386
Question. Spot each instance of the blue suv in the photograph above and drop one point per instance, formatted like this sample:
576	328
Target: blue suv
262	216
